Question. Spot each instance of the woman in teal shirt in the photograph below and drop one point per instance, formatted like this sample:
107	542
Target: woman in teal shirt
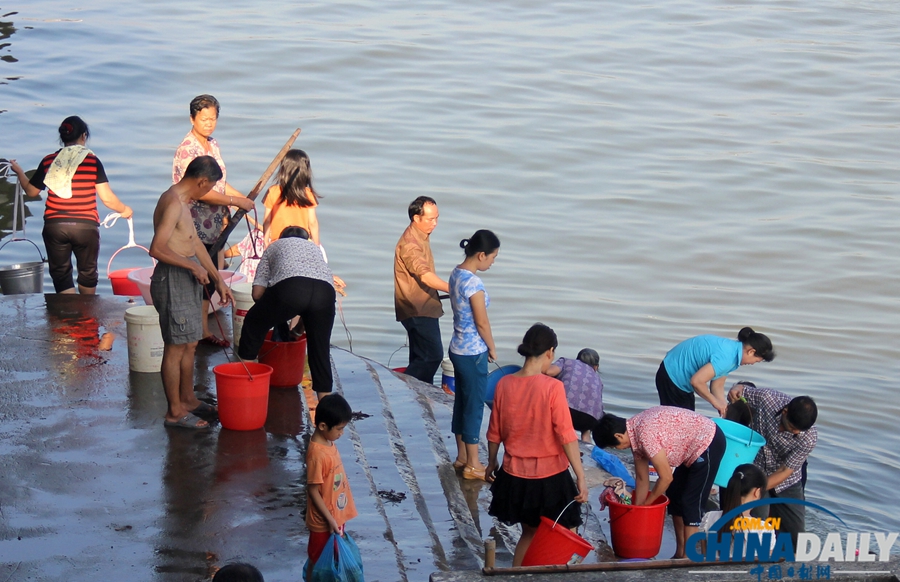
700	364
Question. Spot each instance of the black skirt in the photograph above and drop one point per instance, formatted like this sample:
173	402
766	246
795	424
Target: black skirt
518	500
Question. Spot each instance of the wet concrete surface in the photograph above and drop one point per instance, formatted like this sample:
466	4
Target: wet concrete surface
94	487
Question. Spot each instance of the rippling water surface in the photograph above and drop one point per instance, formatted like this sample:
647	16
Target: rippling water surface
654	171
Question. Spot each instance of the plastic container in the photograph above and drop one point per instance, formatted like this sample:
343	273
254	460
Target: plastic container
448	380
554	544
121	284
742	443
142	278
637	530
287	360
243	301
492	380
243	398
145	343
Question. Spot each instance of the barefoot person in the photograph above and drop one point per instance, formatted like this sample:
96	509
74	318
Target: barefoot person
177	289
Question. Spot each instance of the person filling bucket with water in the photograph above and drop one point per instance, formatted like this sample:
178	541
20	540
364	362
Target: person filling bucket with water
669	437
292	279
530	417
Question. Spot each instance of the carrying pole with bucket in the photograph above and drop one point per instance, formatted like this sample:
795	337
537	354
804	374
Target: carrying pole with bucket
121	284
21	277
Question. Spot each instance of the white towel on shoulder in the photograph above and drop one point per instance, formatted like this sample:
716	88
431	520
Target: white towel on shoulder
62	170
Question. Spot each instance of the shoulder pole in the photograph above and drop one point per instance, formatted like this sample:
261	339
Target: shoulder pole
239	215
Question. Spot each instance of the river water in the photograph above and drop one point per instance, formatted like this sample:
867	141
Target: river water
654	171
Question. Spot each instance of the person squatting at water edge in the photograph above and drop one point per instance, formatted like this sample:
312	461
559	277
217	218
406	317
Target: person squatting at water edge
329	503
416	286
700	364
530	418
209	212
293	279
746	484
73	177
584	389
177	287
669	437
471	347
787	425
293	200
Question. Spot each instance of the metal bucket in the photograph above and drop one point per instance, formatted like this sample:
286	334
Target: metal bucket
22	277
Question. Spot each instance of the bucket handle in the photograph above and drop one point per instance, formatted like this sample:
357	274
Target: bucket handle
18	206
558	517
108	222
37	248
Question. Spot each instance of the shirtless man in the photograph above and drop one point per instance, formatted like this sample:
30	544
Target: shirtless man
177	289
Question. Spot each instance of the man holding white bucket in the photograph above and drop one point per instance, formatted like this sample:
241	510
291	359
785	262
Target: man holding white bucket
787	425
416	287
177	289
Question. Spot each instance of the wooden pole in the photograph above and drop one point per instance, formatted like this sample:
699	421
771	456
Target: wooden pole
490	553
601	567
236	219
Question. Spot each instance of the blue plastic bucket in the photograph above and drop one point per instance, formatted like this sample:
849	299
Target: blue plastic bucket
492	380
742	443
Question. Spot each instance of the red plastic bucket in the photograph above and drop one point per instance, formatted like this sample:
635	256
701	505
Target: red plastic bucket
286	358
554	544
636	530
243	399
122	285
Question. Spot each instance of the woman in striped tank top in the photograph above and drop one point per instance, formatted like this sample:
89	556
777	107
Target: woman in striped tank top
73	177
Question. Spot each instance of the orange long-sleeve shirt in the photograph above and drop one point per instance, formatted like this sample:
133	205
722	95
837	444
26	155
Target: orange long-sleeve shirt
531	418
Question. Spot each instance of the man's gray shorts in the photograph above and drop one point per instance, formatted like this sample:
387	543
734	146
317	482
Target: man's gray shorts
177	296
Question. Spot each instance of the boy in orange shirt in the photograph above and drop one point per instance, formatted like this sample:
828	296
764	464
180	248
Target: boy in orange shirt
329	501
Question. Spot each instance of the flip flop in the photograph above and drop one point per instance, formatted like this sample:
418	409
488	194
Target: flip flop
204	408
218	342
187	421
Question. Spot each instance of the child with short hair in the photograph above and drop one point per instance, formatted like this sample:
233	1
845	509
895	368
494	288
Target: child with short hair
329	500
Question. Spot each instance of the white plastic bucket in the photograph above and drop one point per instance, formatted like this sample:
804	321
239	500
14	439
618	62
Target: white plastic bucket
448	380
145	343
243	301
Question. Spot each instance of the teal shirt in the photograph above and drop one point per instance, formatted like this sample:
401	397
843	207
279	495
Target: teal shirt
686	359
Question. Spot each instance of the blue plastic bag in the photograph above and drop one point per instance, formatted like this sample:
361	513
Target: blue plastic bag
612	465
339	562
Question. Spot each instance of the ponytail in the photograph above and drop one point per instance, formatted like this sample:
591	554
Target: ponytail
760	343
483	241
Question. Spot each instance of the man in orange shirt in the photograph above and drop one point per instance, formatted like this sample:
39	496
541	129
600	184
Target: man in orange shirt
416	289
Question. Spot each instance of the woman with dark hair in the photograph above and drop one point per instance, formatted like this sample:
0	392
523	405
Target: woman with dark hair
293	279
293	200
669	437
210	212
471	347
530	418
701	364
73	177
584	389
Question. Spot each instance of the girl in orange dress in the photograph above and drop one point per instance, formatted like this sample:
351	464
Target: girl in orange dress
293	201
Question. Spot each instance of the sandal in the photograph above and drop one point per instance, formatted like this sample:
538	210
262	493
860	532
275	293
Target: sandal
187	421
457	464
473	474
218	342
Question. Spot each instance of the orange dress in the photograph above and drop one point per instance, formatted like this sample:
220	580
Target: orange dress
283	216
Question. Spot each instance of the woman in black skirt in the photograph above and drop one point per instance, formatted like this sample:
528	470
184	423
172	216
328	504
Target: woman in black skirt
531	418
